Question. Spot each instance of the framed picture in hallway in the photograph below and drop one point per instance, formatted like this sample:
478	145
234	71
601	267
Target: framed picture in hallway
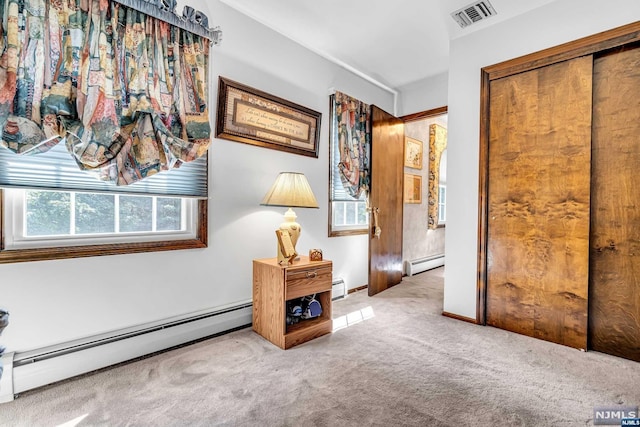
412	153
412	188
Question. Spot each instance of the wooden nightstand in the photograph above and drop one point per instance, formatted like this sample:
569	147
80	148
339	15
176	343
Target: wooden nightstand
274	285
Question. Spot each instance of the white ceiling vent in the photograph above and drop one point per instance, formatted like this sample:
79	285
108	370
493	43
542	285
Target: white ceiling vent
473	13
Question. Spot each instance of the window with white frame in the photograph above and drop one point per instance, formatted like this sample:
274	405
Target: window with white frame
349	215
43	218
48	206
442	204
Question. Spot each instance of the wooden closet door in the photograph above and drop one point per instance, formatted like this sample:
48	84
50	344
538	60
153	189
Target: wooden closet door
538	202
614	300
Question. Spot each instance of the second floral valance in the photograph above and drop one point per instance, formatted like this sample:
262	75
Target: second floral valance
126	92
352	128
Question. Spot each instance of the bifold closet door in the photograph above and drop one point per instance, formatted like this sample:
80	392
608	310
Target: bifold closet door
614	299
538	202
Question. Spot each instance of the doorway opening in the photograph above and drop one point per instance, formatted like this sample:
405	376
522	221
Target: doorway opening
425	191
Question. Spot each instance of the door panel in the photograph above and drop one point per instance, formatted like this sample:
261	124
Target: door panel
385	251
538	203
614	300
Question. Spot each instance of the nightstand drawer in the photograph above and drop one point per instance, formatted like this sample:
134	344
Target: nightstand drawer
307	282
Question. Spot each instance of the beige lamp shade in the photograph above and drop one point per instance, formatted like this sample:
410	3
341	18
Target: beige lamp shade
291	190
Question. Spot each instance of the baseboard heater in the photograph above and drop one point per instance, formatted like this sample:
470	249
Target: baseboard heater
338	289
32	369
423	264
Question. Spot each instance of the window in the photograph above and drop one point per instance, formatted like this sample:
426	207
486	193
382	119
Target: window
40	218
442	204
348	216
159	152
44	225
50	209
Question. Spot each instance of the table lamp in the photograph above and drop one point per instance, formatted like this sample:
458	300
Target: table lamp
291	190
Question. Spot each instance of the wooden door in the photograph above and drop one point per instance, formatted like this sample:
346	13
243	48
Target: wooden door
385	200
538	202
614	300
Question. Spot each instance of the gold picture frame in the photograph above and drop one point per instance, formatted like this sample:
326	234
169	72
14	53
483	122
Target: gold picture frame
412	188
286	251
254	117
412	153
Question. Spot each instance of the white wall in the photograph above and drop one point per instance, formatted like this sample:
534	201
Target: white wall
423	95
56	301
548	26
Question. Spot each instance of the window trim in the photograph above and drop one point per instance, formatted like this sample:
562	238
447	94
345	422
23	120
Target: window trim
68	252
442	224
16	238
345	230
334	230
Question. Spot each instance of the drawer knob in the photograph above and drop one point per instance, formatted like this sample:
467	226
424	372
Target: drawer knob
312	274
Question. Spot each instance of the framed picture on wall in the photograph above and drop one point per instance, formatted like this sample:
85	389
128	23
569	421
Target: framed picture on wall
412	188
254	117
412	153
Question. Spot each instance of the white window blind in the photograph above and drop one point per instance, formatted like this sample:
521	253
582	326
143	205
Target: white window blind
57	170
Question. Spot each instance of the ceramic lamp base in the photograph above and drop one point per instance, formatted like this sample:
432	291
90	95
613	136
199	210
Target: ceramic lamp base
292	227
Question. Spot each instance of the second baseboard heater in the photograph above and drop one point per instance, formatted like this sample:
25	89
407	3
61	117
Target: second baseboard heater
338	289
423	264
32	369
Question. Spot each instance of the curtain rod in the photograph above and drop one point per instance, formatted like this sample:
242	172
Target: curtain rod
191	20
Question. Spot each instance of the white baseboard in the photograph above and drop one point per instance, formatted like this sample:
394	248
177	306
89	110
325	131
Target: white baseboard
34	369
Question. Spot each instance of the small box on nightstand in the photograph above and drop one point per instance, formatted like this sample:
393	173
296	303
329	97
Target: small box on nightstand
315	254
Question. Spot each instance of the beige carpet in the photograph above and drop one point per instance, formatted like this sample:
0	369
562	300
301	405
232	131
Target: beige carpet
398	363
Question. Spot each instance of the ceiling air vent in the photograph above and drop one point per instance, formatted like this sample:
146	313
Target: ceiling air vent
473	13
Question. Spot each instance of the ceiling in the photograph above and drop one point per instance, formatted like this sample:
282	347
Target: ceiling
391	46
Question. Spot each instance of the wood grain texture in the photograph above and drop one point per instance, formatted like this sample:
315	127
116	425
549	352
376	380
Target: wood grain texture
585	46
359	288
538	202
582	47
268	301
425	114
483	199
308	282
274	284
307	330
387	166
459	317
614	300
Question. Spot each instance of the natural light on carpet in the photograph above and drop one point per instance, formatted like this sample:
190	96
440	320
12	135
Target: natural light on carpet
73	422
352	318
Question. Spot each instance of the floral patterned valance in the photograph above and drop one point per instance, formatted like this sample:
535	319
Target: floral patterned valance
126	92
352	128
